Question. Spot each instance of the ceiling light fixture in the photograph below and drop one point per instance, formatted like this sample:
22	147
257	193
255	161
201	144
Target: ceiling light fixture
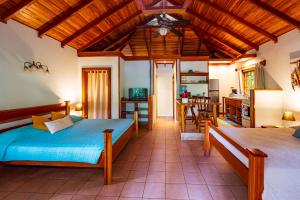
163	31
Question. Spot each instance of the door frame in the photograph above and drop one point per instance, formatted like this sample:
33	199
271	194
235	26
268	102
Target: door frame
84	75
174	67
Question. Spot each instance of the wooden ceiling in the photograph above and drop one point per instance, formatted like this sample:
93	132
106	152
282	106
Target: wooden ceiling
218	28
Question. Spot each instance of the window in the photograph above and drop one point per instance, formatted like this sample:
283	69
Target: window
248	80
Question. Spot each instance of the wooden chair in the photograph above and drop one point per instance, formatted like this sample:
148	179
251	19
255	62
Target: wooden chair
191	107
206	112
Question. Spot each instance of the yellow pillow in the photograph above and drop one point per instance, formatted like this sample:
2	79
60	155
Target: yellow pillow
39	122
57	115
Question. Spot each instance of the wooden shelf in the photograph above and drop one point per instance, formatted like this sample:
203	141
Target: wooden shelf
192	83
193	74
233	108
137	106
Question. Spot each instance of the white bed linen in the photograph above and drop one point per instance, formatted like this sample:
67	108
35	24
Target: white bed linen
282	167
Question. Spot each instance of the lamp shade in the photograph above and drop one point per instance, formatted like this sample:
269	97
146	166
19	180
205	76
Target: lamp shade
78	107
288	116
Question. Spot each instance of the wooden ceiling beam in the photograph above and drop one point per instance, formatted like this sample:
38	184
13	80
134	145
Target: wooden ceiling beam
154	3
117	40
199	31
169	9
121	44
182	43
140	4
127	42
95	22
240	20
224	29
146	41
13	10
165	45
187	3
62	17
277	13
100	37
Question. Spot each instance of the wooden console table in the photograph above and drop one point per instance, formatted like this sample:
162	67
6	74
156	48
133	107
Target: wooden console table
148	115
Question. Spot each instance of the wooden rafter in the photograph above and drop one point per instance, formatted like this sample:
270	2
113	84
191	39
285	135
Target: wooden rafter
116	41
220	49
240	20
145	21
187	3
182	42
224	29
95	22
13	10
63	16
199	31
169	9
150	40
127	42
277	13
121	44
140	4
146	42
165	45
100	37
199	45
153	3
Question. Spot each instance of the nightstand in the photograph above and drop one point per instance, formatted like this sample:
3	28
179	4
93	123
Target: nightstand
269	126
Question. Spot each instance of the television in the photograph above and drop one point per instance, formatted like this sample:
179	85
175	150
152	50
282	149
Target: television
138	93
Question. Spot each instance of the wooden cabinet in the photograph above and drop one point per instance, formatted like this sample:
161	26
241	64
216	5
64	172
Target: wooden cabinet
144	108
233	109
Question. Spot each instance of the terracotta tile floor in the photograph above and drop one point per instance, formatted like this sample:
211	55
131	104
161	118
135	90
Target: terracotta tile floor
157	165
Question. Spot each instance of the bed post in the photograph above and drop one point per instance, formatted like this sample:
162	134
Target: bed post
107	156
136	122
206	139
256	174
68	107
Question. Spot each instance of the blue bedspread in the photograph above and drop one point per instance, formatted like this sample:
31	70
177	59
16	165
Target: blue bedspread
82	142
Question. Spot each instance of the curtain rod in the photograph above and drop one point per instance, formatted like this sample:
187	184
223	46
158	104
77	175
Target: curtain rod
263	63
295	62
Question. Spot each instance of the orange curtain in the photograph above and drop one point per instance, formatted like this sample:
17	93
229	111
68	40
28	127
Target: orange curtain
98	94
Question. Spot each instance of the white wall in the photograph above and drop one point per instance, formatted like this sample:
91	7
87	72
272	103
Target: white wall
200	66
279	68
136	74
113	63
19	44
164	90
227	78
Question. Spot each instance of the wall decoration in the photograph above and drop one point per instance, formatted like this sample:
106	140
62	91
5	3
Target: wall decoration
295	76
35	66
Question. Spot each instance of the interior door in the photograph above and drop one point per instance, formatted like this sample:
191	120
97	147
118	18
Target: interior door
96	93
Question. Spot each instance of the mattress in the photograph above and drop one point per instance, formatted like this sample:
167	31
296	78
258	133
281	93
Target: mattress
282	166
83	142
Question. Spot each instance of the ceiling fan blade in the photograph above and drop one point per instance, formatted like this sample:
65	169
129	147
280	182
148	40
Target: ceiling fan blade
159	18
181	22
176	32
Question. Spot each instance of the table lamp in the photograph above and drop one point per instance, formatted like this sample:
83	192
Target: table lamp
288	116
78	107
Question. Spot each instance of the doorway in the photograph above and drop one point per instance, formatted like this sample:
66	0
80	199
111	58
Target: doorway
96	93
165	75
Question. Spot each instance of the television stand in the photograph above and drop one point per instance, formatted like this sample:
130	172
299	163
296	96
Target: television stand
144	108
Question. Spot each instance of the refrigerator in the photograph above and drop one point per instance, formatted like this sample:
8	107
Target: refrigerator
213	92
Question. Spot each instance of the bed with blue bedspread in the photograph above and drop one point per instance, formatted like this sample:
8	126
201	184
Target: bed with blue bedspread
81	143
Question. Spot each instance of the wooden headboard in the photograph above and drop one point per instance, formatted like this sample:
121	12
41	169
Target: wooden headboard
14	115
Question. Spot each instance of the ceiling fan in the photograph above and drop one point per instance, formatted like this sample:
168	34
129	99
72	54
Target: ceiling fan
168	24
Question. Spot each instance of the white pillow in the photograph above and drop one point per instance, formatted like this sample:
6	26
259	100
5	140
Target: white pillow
59	124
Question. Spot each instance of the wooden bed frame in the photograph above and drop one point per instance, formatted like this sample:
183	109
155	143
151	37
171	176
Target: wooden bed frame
106	158
253	175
